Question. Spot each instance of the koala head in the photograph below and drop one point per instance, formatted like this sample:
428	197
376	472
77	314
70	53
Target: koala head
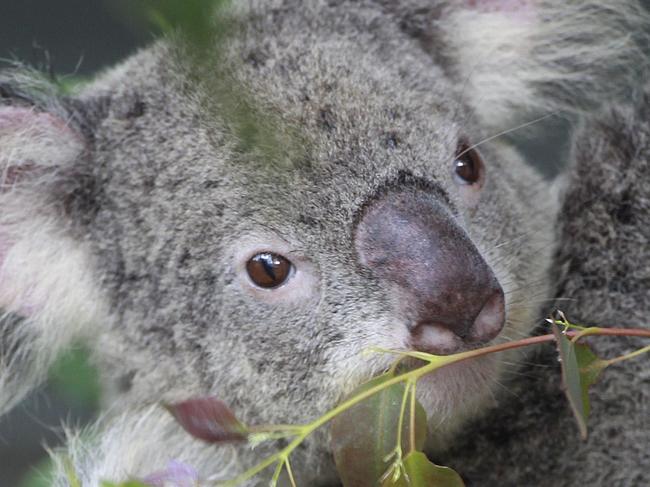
367	212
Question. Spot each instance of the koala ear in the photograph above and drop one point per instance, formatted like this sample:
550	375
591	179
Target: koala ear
543	56
46	296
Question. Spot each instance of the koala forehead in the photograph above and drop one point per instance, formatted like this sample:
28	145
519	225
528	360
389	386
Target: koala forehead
347	127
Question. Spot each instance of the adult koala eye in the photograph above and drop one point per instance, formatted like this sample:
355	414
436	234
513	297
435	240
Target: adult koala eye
268	270
469	167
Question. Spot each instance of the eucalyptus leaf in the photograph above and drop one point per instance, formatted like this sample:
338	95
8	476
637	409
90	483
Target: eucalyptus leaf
208	419
571	379
590	367
580	368
365	435
419	471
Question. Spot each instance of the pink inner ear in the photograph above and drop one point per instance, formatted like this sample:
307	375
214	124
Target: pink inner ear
19	118
19	126
13	118
520	9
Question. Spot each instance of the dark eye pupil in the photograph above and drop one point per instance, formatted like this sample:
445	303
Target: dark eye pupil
268	270
465	170
467	165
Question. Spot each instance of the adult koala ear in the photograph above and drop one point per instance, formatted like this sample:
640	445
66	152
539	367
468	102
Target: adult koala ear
542	56
47	297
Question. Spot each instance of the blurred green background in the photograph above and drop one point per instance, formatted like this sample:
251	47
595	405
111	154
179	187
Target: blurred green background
71	395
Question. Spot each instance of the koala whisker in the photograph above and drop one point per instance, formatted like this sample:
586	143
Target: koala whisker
527	363
509	131
513	241
527	301
505	388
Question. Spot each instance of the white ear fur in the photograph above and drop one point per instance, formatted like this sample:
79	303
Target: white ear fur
47	295
552	55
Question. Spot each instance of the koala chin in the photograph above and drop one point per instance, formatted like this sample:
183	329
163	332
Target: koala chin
374	208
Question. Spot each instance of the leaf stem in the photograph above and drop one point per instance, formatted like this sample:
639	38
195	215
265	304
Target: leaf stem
400	424
251	472
585	332
276	473
628	356
412	445
290	473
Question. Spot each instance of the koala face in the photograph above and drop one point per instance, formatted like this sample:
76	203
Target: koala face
262	278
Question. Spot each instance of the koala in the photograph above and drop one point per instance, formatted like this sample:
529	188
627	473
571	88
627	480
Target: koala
603	267
373	206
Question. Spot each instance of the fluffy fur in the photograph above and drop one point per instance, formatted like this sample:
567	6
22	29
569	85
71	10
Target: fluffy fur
546	56
45	278
165	197
603	274
129	446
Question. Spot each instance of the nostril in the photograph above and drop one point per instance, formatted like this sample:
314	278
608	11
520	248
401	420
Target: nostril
490	320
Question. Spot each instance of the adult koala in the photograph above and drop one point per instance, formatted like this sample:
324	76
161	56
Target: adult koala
140	214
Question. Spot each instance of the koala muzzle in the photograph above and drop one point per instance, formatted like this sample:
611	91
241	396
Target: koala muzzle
445	291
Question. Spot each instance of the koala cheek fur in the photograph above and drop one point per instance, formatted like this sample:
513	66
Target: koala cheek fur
130	213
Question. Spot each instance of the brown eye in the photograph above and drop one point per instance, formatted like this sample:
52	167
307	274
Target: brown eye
468	165
268	270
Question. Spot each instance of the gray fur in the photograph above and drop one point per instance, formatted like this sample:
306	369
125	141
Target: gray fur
168	197
603	273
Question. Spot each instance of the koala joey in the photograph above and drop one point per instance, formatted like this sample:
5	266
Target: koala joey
135	218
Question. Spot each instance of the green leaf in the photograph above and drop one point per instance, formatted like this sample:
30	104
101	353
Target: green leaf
364	435
419	471
208	419
580	369
590	367
196	19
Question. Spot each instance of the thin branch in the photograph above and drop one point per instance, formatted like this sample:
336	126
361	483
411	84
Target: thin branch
290	473
628	356
412	444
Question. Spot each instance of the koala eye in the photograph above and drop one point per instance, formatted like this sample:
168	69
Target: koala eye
468	164
268	270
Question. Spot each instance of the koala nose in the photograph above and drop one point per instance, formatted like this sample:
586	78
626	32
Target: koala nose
413	241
